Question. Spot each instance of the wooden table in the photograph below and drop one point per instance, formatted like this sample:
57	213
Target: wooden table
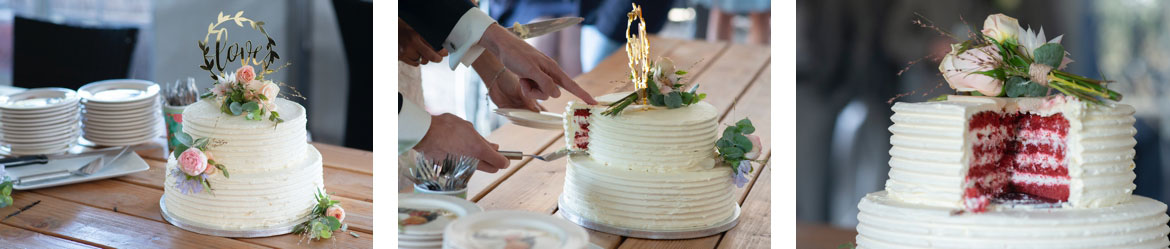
737	82
124	213
809	235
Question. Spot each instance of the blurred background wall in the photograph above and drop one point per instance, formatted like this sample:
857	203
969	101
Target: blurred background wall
306	32
849	54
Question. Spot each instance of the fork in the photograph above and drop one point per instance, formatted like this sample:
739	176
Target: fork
518	155
86	170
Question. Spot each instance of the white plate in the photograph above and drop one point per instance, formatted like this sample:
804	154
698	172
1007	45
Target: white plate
128	163
132	111
413	244
128	129
55	114
29	112
38	126
48	135
459	207
5	150
538	120
124	142
39	144
124	115
132	135
118	91
493	229
39	99
144	103
114	121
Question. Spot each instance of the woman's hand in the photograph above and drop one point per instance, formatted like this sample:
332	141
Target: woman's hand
451	135
539	75
413	50
505	91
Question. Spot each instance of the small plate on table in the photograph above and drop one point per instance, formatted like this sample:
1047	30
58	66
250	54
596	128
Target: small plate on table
128	163
118	91
528	118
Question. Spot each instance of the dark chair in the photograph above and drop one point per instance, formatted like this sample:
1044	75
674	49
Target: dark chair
53	55
355	21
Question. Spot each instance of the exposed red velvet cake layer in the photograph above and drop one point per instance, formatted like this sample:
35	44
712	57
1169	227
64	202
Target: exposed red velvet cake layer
1016	153
581	137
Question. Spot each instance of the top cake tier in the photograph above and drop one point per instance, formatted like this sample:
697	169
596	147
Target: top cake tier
967	151
249	145
645	138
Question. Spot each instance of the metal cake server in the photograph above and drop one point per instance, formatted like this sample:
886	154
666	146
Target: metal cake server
539	28
518	155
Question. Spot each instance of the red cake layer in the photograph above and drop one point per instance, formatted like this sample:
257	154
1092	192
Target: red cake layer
1016	153
581	137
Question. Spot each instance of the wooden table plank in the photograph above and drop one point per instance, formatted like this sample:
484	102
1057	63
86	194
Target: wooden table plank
506	136
810	235
339	240
63	218
11	235
139	201
754	228
359	161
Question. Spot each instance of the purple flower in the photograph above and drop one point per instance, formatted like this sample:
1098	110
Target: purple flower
741	172
188	185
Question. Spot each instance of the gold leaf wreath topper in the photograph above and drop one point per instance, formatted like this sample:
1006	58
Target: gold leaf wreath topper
638	52
247	53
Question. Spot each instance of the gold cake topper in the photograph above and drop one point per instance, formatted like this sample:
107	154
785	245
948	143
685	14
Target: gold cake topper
246	54
638	52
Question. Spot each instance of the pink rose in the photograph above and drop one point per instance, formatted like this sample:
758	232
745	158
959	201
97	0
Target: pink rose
270	90
245	74
192	161
210	170
961	70
336	212
756	147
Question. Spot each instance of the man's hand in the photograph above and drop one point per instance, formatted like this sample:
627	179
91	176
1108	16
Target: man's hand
506	93
413	49
539	75
452	135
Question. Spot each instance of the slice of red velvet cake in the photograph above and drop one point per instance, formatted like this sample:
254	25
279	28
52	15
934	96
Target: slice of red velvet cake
968	151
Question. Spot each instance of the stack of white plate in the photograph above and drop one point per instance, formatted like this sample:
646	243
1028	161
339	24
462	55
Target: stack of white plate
422	218
514	229
121	112
538	120
39	121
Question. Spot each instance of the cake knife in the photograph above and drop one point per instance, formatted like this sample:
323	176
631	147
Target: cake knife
13	162
519	155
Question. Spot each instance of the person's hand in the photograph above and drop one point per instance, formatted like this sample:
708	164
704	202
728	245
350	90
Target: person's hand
452	135
505	91
539	75
413	49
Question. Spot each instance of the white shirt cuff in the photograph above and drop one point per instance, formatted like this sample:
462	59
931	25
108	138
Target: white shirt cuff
413	123
462	43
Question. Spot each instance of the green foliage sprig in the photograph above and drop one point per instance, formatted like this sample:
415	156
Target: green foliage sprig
319	225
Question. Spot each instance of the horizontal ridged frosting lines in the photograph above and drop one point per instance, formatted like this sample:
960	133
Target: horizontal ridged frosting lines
653	140
930	151
1101	156
251	201
641	200
249	145
884	222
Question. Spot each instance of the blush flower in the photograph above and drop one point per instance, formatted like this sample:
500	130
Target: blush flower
961	71
663	69
192	161
245	74
756	147
220	89
270	91
336	212
1001	27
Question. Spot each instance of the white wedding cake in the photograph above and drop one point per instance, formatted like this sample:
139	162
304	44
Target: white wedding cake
649	168
274	172
988	172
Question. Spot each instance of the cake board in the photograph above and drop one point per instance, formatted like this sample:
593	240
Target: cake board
190	226
717	228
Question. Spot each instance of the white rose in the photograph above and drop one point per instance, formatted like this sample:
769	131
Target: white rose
960	70
1001	27
270	90
663	69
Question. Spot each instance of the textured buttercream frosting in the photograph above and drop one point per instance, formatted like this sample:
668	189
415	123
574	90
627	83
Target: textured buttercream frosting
886	222
648	168
274	172
932	149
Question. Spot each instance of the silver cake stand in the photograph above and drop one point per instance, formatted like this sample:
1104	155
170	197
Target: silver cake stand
193	227
699	232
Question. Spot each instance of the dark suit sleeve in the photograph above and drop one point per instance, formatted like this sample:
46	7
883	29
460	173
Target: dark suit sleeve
399	102
433	19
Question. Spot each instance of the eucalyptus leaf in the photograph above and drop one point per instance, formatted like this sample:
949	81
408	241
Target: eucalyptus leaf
731	152
730	131
687	98
1020	87
184	138
179	149
201	143
657	100
745	125
334	224
742	142
724	142
251	106
673	100
1050	54
236	108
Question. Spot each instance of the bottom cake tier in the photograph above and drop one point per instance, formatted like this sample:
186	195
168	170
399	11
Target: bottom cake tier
249	201
884	222
659	201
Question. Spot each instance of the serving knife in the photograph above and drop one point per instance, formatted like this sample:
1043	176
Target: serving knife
13	162
543	27
518	155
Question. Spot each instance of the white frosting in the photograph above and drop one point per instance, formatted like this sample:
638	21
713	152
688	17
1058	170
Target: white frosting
649	168
931	151
274	173
886	222
648	200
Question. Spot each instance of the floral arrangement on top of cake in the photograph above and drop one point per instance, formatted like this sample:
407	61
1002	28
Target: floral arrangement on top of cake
244	92
657	83
1007	60
196	164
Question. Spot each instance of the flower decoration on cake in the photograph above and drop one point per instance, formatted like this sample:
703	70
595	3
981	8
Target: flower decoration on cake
1007	60
195	164
327	216
656	83
246	91
738	148
5	188
243	93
